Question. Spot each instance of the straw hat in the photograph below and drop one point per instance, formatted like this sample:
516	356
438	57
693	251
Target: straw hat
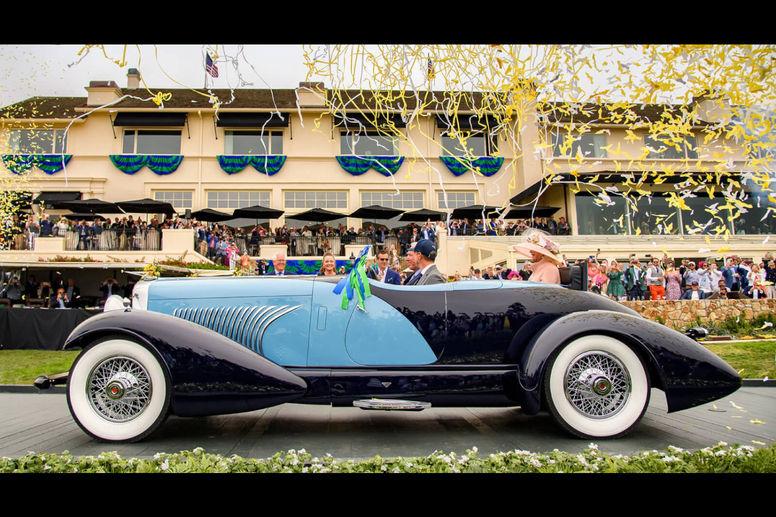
539	242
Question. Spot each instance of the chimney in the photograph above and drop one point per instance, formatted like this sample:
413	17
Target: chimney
102	92
311	95
133	79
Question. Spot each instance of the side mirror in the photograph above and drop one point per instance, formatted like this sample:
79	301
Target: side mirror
696	333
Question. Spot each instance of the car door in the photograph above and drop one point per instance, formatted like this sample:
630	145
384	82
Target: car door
400	326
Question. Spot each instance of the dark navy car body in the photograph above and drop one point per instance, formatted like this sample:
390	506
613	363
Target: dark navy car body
224	345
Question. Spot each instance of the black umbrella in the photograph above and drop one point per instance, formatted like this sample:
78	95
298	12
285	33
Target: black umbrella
424	214
475	212
210	215
92	206
147	206
79	217
529	212
257	212
376	212
320	215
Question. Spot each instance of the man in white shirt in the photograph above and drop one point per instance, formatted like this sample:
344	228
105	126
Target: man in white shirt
656	281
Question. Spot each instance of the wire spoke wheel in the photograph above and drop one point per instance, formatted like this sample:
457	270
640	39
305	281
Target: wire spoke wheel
118	390
596	387
597	384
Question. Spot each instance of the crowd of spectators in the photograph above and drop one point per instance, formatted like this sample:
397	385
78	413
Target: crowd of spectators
667	279
97	233
59	292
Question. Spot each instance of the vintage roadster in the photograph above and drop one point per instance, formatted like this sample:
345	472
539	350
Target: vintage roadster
207	346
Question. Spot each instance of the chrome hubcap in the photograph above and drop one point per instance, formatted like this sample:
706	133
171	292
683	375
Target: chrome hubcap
597	384
119	389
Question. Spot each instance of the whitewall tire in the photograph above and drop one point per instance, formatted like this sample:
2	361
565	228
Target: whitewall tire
596	387
118	391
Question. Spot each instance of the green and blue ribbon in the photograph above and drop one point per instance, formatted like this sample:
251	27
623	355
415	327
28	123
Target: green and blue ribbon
484	165
48	163
356	283
358	165
160	164
268	164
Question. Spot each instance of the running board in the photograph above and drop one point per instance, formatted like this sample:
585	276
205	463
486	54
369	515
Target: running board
391	404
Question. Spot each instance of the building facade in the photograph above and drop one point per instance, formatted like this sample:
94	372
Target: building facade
619	186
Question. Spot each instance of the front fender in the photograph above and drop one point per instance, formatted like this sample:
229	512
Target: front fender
210	374
687	372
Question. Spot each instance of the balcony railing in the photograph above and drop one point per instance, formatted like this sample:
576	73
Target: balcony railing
304	246
114	240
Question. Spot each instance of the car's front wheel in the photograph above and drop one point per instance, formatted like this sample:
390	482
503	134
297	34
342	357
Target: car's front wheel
118	390
596	387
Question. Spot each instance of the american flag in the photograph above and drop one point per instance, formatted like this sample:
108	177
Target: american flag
210	67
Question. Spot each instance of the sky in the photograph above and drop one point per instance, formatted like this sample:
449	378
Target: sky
59	70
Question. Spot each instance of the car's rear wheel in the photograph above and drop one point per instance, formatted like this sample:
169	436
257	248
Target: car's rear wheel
118	390
596	387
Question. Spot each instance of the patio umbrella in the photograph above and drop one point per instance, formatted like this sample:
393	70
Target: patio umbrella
475	212
147	206
87	216
424	214
210	215
529	212
376	212
92	206
257	212
320	215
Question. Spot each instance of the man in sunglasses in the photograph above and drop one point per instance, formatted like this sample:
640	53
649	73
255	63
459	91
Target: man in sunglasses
381	272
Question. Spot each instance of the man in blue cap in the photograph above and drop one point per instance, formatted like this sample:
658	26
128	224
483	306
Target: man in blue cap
421	258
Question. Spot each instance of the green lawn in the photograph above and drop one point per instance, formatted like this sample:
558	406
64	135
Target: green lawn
752	359
24	366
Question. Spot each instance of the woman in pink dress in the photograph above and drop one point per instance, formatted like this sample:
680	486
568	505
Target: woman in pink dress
673	284
545	257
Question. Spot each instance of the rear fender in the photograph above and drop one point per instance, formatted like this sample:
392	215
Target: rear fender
687	372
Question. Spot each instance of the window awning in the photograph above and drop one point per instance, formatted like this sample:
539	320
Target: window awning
150	119
51	199
252	120
354	121
470	122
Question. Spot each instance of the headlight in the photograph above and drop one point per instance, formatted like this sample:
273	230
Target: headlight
115	303
140	295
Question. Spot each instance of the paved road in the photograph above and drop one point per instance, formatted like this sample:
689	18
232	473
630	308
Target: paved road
41	422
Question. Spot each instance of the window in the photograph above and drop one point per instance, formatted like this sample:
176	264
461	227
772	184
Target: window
589	145
237	199
253	142
455	200
367	143
179	200
671	148
597	218
401	201
37	141
316	199
146	141
478	144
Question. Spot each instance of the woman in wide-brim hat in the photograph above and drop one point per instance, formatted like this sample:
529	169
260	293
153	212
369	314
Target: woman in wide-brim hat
545	257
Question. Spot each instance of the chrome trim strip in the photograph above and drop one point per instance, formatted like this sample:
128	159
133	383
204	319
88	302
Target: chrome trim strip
270	321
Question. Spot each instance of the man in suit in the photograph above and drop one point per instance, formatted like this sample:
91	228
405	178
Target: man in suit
635	281
279	264
381	272
423	255
60	300
693	293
